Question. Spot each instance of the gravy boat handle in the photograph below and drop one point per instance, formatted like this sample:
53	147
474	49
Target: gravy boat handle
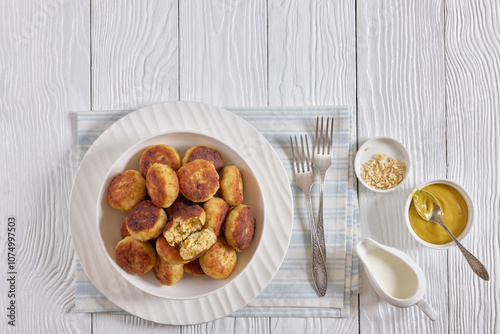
428	310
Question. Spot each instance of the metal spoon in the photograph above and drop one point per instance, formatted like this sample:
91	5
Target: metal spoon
435	217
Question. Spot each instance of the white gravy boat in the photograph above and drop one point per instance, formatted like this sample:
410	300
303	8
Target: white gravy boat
394	276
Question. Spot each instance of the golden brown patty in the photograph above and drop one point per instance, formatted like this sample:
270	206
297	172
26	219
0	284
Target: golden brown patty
135	257
167	252
240	227
216	210
205	153
162	154
231	185
146	221
180	203
123	230
182	223
194	268
162	185
198	180
152	242
219	261
167	273
197	244
126	190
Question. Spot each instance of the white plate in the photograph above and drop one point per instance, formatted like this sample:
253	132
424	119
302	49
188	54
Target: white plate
182	117
381	145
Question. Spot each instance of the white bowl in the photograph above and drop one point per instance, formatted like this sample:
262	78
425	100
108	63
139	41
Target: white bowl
470	218
109	220
381	145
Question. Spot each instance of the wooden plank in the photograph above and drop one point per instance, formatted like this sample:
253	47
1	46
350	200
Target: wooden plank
213	52
134	64
134	53
401	91
312	55
231	325
124	324
106	323
223	59
312	61
473	120
44	76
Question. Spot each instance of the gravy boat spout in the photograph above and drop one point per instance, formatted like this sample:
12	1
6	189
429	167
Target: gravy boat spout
395	277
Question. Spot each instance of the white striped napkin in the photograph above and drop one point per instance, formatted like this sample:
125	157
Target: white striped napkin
291	292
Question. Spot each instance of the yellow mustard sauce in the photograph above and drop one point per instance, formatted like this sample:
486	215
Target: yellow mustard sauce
424	203
454	213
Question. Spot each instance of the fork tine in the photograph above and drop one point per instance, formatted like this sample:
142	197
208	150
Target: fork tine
325	142
296	156
293	155
308	162
299	158
322	142
303	156
315	145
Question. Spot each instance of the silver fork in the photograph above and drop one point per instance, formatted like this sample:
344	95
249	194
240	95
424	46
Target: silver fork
304	178
322	160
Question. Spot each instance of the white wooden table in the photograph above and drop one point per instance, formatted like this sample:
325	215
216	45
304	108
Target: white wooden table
424	72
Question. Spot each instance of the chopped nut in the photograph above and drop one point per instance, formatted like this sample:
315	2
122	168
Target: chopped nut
383	175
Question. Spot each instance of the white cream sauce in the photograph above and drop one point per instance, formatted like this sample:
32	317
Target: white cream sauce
393	275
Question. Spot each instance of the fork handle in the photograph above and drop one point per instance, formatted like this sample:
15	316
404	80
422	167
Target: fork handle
319	229
320	276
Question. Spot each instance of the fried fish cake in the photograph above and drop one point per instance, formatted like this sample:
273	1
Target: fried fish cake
198	180
197	244
152	242
167	252
240	227
146	221
182	223
162	154
162	185
168	273
194	268
126	190
206	153
219	261
134	256
123	230
231	185
180	203
216	209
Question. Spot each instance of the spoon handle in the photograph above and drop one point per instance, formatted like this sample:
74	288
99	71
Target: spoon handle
473	262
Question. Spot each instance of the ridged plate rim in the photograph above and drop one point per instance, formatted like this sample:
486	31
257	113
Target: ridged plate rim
224	126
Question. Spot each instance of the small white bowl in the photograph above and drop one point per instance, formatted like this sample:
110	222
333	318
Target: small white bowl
470	218
381	145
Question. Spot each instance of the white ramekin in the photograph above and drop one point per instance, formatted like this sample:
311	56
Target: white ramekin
470	219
